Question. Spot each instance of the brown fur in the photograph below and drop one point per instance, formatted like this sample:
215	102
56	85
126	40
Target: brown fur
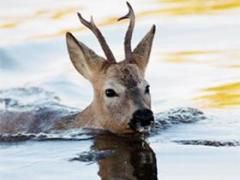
128	75
126	78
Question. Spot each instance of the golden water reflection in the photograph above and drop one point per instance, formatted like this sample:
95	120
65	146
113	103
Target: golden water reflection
8	25
220	58
227	61
166	8
13	21
225	95
187	56
187	7
105	22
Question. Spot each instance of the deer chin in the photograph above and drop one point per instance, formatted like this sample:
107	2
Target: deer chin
143	129
140	128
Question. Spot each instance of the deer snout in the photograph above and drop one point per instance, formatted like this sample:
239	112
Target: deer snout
141	120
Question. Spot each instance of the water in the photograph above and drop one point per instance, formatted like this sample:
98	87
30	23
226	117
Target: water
194	63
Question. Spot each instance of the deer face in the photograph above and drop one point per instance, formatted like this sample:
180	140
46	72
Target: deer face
122	101
124	98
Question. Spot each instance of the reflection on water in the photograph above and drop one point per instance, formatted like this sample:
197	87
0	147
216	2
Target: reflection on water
221	96
219	65
161	7
225	58
8	25
189	56
106	22
122	158
51	14
186	7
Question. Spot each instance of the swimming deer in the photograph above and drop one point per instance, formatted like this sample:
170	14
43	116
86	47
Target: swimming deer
121	102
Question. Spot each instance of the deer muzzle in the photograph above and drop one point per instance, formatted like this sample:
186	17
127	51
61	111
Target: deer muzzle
142	120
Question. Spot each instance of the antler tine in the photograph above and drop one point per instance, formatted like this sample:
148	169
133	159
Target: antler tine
92	26
128	36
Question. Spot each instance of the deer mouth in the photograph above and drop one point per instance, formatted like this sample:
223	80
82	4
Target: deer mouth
140	125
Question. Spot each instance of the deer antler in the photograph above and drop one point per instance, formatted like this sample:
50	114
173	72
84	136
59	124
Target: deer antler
92	26
128	36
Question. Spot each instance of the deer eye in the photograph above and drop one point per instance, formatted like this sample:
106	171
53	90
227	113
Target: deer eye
147	89
110	93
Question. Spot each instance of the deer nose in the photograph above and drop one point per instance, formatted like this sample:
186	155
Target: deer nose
141	119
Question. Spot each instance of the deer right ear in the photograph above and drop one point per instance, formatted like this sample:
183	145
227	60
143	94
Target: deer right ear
85	60
142	52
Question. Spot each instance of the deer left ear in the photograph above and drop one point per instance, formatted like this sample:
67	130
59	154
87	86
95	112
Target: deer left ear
85	60
142	52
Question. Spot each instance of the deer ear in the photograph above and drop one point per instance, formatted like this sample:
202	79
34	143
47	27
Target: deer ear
142	52
85	60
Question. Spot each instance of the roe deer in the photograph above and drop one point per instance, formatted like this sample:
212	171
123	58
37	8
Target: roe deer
122	99
121	102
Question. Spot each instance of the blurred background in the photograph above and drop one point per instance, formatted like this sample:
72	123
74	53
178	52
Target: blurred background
194	61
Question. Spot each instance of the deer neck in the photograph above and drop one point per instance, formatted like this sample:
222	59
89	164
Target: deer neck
88	118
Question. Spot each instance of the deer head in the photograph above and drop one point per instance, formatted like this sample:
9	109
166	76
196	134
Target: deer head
122	101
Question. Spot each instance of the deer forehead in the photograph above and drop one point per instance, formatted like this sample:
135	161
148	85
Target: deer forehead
124	76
